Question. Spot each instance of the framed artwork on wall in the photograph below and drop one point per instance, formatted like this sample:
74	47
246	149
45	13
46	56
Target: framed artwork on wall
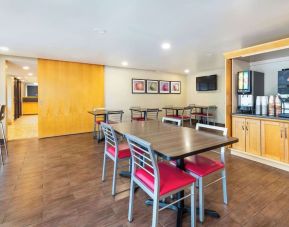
164	87
152	86
138	86
176	87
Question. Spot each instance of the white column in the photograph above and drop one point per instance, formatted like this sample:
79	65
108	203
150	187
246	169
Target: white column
3	84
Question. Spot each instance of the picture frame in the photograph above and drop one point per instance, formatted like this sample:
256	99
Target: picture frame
138	86
152	86
175	87
164	87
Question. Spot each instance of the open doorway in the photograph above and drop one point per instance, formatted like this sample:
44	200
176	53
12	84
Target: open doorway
22	98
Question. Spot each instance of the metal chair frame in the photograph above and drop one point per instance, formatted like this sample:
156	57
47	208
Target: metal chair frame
223	177
148	158
152	114
2	117
171	120
111	140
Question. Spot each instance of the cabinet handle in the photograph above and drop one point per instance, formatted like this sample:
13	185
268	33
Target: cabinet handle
281	133
285	133
243	127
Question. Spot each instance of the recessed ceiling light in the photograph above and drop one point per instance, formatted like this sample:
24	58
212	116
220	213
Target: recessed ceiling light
187	71
25	67
124	63
30	74
166	46
4	49
18	78
99	31
35	83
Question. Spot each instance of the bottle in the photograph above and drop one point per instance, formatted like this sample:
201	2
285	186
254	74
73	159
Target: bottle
258	105
277	106
271	105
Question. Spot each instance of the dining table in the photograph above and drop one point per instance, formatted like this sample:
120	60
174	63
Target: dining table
175	143
144	111
102	112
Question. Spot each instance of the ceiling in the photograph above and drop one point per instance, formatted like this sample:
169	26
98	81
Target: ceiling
199	31
15	68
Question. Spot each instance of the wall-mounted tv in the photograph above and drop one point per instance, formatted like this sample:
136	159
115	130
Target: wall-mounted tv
206	83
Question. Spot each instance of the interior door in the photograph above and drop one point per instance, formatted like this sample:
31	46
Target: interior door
272	140
253	136
17	99
238	131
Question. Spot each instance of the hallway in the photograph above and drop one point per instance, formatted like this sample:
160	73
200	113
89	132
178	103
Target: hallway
23	128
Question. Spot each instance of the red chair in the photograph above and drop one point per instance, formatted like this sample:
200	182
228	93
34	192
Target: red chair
136	115
199	167
158	179
113	150
185	115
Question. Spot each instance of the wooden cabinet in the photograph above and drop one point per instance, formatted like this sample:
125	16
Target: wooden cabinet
274	137
248	133
262	137
253	136
238	131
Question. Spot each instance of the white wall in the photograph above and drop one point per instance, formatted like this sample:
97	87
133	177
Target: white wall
10	99
118	91
270	68
208	97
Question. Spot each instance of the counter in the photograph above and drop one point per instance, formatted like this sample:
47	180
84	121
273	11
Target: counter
254	116
29	105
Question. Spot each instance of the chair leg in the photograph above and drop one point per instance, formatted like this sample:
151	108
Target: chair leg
114	177
103	167
193	206
224	184
1	156
201	200
98	134
131	201
4	138
155	212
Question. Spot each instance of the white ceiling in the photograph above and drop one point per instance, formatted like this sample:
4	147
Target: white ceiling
15	68
199	31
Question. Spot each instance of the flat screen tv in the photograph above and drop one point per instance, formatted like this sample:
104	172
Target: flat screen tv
206	83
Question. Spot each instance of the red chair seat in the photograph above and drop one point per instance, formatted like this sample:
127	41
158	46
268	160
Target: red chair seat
202	166
182	117
138	118
202	114
123	150
171	178
99	121
172	115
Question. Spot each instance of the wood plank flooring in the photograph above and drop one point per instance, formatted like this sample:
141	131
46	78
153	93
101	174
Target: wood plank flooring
57	182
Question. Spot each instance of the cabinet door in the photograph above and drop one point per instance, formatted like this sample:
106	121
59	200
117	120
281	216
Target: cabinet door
272	140
238	131
286	143
253	136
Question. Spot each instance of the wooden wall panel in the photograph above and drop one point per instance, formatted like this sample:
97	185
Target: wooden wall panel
67	90
228	116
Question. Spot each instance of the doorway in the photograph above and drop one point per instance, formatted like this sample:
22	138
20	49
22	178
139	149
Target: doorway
22	98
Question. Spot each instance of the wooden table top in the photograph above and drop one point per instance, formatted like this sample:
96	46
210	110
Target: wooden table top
177	107
173	142
104	112
144	109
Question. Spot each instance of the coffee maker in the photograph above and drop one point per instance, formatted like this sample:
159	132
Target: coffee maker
250	84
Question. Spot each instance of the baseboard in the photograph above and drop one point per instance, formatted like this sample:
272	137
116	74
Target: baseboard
263	160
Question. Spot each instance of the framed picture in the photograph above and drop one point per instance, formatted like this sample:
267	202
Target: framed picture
164	87
152	86
176	87
138	86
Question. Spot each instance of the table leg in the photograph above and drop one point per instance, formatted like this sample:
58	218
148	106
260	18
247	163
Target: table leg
181	203
94	127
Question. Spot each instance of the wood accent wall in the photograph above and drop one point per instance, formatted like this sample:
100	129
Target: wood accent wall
67	90
228	79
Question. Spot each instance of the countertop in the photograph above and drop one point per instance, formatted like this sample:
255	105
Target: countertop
261	116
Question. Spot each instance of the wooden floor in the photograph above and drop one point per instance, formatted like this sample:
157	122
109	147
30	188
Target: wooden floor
57	182
24	127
